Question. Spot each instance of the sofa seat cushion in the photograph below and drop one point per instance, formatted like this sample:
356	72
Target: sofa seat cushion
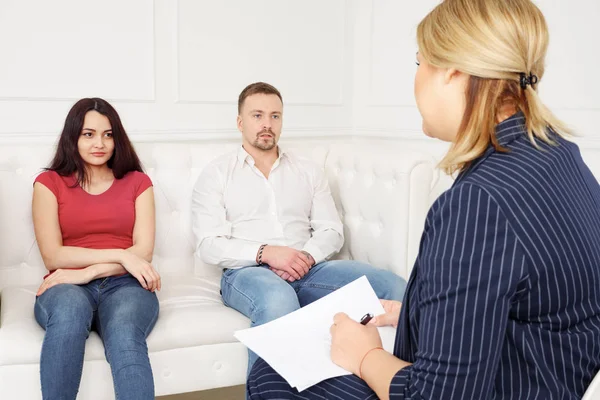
191	314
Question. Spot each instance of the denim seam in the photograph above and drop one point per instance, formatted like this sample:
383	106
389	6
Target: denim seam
42	308
147	330
319	286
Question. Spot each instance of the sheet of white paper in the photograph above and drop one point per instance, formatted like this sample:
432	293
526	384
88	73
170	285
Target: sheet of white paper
297	345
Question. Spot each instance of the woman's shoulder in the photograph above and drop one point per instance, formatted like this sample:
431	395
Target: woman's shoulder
53	180
466	197
135	176
138	181
47	175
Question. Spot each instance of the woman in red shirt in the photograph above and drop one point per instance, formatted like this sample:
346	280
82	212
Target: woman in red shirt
93	214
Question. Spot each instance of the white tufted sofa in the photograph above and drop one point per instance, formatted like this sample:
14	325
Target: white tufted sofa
382	189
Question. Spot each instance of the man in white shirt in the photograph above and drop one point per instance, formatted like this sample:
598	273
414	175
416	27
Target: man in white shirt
268	218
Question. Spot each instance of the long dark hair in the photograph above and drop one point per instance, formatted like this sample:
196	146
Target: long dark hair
67	160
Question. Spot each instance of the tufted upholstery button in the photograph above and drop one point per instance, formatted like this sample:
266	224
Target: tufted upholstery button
23	264
166	373
394	182
19	171
217	366
175	213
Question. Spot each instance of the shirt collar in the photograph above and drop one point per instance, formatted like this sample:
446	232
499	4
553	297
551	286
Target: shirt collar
243	156
507	131
510	129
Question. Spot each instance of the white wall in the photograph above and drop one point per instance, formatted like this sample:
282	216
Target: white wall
174	68
385	47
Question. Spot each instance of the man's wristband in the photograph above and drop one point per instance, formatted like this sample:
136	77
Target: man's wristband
260	254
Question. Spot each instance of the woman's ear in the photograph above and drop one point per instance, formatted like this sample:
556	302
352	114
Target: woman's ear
451	74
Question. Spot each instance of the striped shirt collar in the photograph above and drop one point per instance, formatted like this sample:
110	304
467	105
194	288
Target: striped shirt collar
507	131
511	128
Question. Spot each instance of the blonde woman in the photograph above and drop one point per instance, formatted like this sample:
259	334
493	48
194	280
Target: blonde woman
504	298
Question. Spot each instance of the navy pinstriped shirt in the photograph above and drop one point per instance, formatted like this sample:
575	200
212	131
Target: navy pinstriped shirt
504	298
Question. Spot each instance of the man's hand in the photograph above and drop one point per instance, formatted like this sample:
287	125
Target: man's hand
72	276
292	261
283	275
310	258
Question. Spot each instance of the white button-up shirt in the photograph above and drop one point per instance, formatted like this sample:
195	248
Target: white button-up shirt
235	210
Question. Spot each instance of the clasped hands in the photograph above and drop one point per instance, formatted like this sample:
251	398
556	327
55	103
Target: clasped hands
289	264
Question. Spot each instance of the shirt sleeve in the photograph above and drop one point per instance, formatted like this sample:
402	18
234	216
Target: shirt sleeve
143	182
327	230
212	230
470	264
47	179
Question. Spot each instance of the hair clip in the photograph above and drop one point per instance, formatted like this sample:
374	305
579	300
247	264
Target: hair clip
527	80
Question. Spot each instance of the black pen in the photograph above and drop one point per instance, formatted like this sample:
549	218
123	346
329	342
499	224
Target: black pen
366	318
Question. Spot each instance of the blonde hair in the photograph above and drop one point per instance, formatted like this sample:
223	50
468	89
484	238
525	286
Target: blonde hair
493	41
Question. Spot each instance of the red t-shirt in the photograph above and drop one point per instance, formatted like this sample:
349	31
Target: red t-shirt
102	221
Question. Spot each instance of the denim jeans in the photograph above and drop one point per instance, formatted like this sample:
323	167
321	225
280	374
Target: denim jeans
121	311
262	296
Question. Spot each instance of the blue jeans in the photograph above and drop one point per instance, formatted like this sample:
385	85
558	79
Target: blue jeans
121	311
261	295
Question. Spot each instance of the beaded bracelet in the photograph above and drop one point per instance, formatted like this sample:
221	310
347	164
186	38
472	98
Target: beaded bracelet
259	254
363	359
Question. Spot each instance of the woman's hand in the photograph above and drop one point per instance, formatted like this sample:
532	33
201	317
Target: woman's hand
350	342
72	276
141	270
392	314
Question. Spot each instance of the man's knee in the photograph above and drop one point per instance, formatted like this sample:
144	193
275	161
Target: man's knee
387	285
274	303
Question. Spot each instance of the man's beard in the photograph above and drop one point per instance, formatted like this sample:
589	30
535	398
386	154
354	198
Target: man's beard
265	144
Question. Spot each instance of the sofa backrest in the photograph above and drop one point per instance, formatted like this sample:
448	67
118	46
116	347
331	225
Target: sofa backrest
382	193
